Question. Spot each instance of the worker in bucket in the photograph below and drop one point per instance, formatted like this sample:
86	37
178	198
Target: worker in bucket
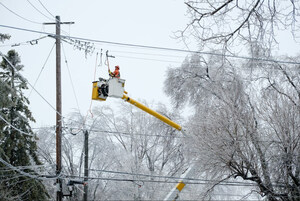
116	73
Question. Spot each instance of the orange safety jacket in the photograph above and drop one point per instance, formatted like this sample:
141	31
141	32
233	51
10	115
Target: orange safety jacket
116	73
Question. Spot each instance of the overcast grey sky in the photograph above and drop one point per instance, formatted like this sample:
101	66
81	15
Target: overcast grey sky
150	23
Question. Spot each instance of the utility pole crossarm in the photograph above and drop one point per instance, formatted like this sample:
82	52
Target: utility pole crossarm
54	23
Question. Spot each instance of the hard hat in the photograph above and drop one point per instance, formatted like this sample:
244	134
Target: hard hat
118	67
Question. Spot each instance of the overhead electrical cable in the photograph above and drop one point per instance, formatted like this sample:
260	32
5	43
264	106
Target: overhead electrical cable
182	50
51	15
46	9
41	70
71	80
128	134
19	15
30	42
155	181
165	177
38	10
156	47
22	132
148	54
147	59
28	167
32	176
178	178
131	134
91	101
14	44
191	191
187	181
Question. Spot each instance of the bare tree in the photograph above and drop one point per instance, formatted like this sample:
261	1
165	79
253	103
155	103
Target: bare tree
237	125
125	148
243	128
154	147
227	23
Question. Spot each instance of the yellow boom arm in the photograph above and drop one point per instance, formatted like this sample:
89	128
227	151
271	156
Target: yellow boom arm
152	112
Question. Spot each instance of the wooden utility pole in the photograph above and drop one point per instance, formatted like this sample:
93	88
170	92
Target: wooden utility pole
58	108
86	165
58	105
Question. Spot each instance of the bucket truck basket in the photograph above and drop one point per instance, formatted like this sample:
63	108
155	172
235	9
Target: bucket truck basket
116	87
113	87
97	94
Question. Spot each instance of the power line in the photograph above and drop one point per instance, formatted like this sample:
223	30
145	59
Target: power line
24	133
180	178
143	53
168	177
155	181
41	69
14	44
36	176
147	59
71	80
190	191
46	9
156	47
27	167
19	15
128	134
121	133
163	136
38	10
146	54
30	42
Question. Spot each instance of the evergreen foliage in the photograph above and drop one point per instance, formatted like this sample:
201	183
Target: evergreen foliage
16	148
4	37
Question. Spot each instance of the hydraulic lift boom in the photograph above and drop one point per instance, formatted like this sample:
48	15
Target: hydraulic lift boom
152	112
114	87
